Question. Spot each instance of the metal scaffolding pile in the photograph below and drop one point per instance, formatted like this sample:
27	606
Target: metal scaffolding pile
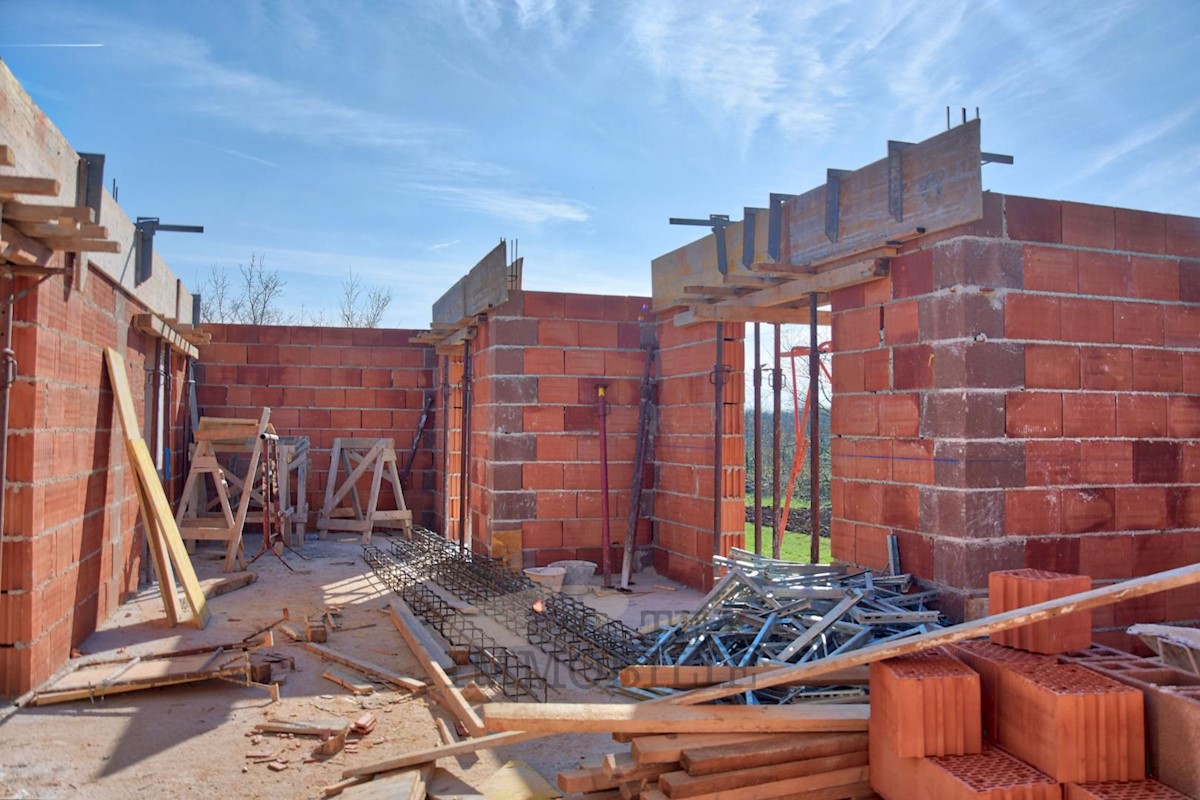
765	612
513	673
592	644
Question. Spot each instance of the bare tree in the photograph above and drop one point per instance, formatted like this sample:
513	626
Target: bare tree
253	301
359	312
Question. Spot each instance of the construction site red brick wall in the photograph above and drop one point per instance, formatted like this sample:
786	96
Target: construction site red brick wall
72	534
1024	392
326	383
535	442
685	449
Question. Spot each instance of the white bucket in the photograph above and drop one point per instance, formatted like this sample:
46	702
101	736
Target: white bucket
549	577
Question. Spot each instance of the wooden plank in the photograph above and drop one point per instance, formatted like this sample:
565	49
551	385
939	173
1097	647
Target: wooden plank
351	682
849	275
77	243
157	327
1084	601
20	184
17	248
657	718
32	212
465	747
711	760
395	679
308	727
681	784
668	748
843	784
214	587
714	312
73	231
152	491
670	677
408	785
587	779
448	694
623	767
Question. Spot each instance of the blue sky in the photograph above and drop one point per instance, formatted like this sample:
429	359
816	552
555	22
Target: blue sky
403	139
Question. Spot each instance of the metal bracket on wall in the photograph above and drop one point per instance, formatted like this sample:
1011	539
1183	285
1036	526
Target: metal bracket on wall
89	191
717	223
775	224
896	178
146	228
833	201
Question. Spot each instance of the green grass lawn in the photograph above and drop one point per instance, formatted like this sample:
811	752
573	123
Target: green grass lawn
795	545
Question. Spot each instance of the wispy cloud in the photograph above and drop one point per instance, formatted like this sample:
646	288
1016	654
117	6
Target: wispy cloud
53	44
1135	141
443	245
235	153
524	207
558	22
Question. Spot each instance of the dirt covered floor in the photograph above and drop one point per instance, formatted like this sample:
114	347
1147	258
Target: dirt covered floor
192	740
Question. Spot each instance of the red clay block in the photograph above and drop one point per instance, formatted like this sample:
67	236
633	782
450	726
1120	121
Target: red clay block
1141	415
1033	414
1051	269
1138	323
1072	724
1051	462
1154	278
1032	511
1029	316
1157	370
1182	236
1183	417
892	776
990	775
1140	231
877	370
1088	414
1122	790
858	329
901	322
1089	510
1105	274
1088	225
1087	320
926	704
1032	219
1106	368
1181	325
1050	366
855	415
1014	589
899	415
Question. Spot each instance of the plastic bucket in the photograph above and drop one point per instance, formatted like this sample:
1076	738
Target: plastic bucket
550	577
578	573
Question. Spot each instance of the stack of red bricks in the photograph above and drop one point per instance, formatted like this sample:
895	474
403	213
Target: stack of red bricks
991	720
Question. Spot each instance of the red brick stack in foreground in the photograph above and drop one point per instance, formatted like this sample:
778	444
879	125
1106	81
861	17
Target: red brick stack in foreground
1049	729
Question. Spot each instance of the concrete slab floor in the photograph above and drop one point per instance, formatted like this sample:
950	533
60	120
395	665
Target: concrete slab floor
191	740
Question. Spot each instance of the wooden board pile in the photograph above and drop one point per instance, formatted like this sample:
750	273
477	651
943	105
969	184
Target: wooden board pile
712	766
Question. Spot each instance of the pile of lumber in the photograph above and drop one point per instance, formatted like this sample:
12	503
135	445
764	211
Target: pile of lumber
714	766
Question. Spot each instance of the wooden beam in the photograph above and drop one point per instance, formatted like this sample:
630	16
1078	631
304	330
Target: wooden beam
717	291
31	212
156	327
401	681
883	251
17	248
6	156
448	694
697	314
73	231
680	784
465	747
19	184
656	718
793	291
73	245
668	748
1083	601
713	760
671	677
